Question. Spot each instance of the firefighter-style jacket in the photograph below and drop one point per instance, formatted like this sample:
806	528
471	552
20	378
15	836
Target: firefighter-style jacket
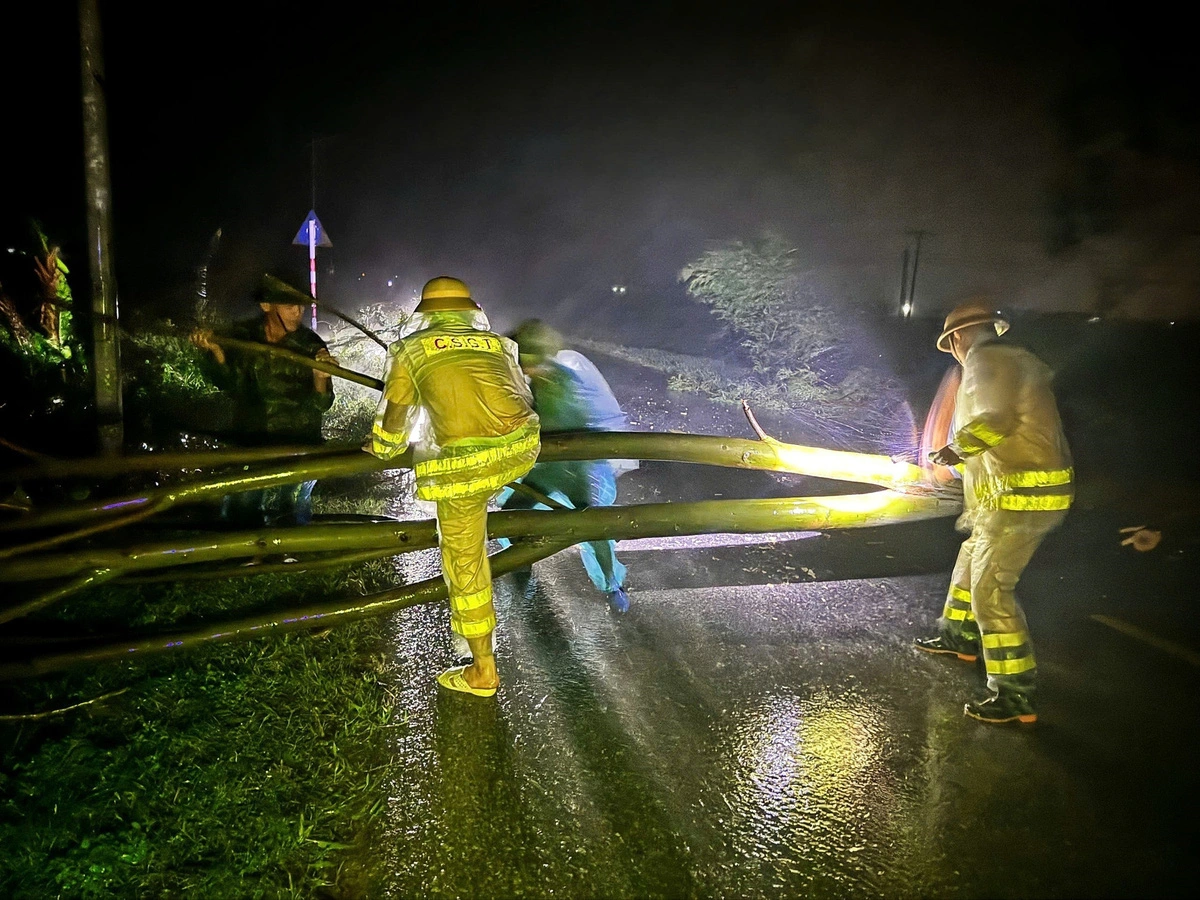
1009	434
455	391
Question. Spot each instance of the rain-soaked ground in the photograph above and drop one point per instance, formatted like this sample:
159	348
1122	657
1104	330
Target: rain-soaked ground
758	724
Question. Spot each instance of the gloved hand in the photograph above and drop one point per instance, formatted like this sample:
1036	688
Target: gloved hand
945	457
1141	538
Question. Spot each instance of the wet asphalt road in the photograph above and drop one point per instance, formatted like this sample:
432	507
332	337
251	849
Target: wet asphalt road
758	725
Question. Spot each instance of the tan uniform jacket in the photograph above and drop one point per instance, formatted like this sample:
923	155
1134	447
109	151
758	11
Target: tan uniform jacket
1008	431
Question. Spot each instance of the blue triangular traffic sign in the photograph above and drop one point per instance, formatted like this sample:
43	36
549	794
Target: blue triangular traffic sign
311	221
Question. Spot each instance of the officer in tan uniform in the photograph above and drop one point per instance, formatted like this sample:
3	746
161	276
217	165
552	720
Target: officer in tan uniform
1018	483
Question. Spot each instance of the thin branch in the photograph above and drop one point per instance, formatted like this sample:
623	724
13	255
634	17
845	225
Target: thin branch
87	531
246	570
97	576
32	454
762	435
300	359
50	713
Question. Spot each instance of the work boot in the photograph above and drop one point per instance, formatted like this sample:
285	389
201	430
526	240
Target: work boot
618	600
1007	706
967	652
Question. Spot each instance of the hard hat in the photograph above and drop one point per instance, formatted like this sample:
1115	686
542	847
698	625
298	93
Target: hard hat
444	294
976	311
273	289
535	338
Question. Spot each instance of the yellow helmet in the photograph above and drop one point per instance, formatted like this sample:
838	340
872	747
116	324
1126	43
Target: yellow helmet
976	311
443	294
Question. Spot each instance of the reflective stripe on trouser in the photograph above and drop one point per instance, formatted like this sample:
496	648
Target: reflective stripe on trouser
957	621
462	538
1001	545
478	465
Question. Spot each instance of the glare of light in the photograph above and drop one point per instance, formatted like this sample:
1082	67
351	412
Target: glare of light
389	282
842	465
618	288
1093	320
790	750
906	308
12	249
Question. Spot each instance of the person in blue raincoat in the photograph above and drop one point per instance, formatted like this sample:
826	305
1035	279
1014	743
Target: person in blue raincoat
570	394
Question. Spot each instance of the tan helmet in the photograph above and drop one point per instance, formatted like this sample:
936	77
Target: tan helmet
976	311
445	294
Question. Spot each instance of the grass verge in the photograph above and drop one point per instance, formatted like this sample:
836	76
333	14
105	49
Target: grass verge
243	770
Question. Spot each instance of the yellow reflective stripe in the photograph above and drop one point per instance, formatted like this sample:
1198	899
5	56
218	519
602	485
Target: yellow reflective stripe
473	629
1047	478
1033	501
386	444
1007	639
468	602
1009	666
467	488
977	437
443	465
955	614
388	440
962	594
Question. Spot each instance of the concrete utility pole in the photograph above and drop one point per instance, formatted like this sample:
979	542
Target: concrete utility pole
106	348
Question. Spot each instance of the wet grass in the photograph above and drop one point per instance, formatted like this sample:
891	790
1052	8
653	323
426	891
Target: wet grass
243	770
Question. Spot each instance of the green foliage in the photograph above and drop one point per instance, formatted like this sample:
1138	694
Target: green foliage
349	419
39	357
247	770
165	363
757	287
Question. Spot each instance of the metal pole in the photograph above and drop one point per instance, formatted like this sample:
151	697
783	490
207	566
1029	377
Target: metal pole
312	240
106	348
903	283
912	287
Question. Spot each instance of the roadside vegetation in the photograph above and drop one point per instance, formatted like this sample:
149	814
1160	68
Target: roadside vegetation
242	770
800	350
247	770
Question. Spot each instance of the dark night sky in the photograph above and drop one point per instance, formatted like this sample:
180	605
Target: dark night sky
546	151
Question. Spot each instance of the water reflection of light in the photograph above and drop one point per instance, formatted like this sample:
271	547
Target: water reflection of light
806	775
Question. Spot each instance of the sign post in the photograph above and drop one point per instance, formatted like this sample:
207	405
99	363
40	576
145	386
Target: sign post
313	234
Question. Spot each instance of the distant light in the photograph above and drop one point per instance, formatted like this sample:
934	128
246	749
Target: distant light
906	309
389	282
12	249
1093	320
618	288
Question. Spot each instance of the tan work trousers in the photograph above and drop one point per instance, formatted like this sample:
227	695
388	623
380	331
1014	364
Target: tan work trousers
989	565
462	539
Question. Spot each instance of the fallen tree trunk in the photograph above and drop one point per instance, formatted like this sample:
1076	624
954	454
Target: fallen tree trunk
544	533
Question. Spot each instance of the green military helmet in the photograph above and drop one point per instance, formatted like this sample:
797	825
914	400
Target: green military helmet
275	289
536	339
